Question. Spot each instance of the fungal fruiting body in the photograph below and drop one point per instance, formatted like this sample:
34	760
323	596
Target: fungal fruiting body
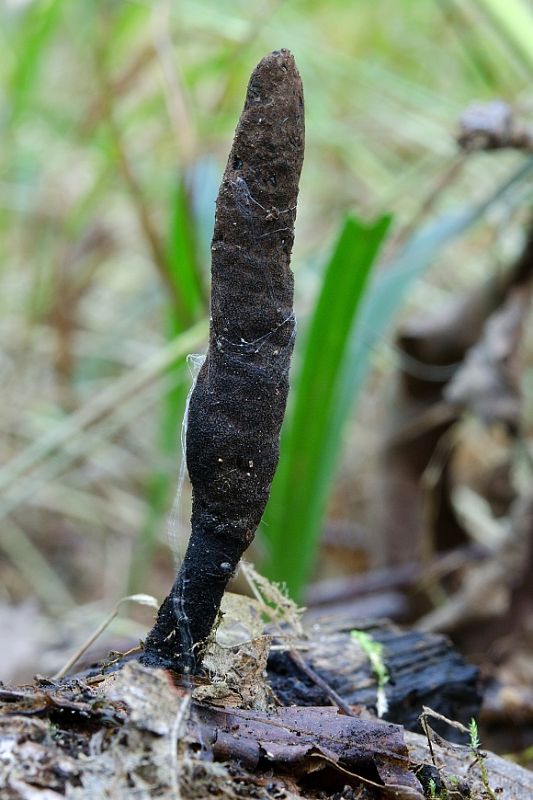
237	406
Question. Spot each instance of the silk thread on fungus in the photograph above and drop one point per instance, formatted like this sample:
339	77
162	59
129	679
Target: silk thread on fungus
238	403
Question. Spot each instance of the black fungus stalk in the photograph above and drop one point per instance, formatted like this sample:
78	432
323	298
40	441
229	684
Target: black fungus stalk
238	403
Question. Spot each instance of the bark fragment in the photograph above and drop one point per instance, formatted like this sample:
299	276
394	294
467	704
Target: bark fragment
423	669
142	736
238	403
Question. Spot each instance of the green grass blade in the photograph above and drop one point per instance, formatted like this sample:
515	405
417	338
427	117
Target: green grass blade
39	24
390	286
182	252
514	20
300	489
329	382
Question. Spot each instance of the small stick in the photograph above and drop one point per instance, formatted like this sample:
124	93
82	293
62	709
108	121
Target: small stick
313	676
238	403
143	599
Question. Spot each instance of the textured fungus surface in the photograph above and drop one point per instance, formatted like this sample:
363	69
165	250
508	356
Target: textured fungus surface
238	403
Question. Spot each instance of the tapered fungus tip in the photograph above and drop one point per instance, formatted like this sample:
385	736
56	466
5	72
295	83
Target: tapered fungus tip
280	59
264	165
276	79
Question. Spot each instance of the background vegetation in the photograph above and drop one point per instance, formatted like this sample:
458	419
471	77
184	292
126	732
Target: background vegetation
117	118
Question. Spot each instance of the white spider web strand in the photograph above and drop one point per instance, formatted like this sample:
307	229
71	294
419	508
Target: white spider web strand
194	362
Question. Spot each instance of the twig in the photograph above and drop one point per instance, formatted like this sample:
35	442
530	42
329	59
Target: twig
335	698
143	599
175	769
334	590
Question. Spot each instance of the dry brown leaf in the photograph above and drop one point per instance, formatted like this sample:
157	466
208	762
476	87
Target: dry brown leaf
307	739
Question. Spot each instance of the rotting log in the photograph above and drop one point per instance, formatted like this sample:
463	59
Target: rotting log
423	669
460	774
238	403
146	736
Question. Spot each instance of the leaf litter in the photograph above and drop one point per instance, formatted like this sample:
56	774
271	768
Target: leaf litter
137	733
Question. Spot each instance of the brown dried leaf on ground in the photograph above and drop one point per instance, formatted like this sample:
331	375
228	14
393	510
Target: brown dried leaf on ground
161	740
143	737
304	740
76	701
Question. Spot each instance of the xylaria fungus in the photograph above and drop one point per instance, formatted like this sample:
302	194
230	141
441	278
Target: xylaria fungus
238	403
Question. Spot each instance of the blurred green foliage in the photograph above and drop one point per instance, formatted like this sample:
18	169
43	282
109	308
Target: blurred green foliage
310	441
117	116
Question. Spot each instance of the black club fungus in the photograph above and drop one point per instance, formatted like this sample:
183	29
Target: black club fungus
238	403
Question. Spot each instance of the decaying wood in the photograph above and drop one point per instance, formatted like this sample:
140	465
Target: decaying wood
460	773
238	403
424	670
135	734
134	731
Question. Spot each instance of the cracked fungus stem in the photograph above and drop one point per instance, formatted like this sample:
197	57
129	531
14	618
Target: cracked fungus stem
238	403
